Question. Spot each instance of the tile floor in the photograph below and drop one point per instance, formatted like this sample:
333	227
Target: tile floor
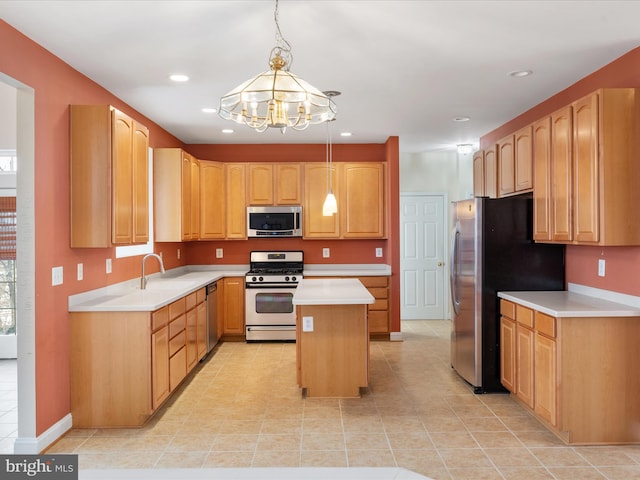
242	408
8	405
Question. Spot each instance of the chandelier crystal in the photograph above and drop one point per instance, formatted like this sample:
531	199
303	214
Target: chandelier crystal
277	98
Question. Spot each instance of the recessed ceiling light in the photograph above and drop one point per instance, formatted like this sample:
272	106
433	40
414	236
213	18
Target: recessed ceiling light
465	148
461	118
209	110
227	130
345	134
520	73
178	77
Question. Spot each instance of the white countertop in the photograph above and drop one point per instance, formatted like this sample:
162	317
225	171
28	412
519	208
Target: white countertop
570	304
331	291
351	270
162	289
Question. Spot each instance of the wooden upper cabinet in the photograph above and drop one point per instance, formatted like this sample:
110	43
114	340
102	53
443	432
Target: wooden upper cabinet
108	178
363	199
315	225
274	184
491	172
260	184
175	195
478	174
212	200
236	209
542	214
586	210
515	172
561	175
288	184
506	166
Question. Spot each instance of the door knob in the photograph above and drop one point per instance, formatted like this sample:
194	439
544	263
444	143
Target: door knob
440	264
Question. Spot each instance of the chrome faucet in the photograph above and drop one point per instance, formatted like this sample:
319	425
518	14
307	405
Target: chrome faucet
143	278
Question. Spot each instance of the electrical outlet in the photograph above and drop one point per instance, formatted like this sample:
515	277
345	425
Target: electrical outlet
601	267
178	254
109	265
307	324
219	253
56	276
80	271
326	253
378	251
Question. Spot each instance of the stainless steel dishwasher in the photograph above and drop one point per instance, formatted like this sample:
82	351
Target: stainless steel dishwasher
213	335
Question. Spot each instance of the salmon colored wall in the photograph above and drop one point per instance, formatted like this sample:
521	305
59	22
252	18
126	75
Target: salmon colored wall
56	86
622	263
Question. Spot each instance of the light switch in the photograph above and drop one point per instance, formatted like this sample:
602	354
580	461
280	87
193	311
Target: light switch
56	276
108	265
307	324
80	271
601	267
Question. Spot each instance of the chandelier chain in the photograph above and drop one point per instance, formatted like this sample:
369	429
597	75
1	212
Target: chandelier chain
282	48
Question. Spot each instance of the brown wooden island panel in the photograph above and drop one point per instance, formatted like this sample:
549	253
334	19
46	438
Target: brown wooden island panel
333	359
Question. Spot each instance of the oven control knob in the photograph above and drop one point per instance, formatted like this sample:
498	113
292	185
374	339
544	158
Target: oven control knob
293	279
253	279
286	279
260	279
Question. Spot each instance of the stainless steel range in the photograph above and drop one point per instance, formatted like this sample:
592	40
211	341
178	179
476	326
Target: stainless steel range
270	285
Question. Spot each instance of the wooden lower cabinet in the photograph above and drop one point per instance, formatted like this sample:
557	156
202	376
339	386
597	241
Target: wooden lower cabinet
124	365
585	387
233	308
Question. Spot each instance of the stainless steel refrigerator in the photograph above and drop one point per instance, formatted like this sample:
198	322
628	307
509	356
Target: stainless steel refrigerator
492	250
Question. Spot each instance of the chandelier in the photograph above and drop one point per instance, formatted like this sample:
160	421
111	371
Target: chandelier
277	98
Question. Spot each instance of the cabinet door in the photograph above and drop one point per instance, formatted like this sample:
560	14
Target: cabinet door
121	179
315	191
186	196
140	180
506	166
508	354
523	159
585	169
260	184
561	174
194	192
234	306
491	172
236	204
287	184
201	334
363	200
524	362
545	379
192	338
478	174
542	180
160	366
212	200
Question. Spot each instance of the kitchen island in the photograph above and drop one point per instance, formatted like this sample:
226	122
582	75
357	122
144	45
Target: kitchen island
332	336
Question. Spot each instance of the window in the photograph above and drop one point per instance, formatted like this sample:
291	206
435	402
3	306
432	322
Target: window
8	227
8	161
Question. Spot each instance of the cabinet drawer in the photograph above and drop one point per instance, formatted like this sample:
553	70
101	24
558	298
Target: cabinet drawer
159	318
177	368
379	292
546	324
380	304
177	325
191	300
374	281
177	342
508	309
378	321
176	308
524	316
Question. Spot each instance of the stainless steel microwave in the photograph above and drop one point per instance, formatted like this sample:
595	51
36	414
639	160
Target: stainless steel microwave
272	221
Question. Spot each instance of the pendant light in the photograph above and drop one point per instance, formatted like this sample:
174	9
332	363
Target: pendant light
277	98
330	206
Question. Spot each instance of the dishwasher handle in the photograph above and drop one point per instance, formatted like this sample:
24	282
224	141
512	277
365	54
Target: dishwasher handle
212	288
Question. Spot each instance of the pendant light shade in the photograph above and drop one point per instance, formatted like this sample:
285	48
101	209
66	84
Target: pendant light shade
330	206
277	98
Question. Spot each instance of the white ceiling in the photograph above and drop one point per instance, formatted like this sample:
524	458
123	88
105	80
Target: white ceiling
404	68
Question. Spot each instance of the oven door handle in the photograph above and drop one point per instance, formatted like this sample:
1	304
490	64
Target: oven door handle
290	286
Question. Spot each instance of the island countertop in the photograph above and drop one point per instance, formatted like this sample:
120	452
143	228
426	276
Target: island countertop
331	291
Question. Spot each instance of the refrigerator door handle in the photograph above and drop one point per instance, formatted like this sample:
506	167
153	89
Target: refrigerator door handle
453	268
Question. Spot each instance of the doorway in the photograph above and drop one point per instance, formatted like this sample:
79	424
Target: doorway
422	253
24	118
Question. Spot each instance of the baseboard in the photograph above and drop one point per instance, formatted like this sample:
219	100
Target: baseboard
395	336
35	445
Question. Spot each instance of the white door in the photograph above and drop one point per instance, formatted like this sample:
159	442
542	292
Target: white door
422	254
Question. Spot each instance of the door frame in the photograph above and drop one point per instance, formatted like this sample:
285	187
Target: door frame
445	242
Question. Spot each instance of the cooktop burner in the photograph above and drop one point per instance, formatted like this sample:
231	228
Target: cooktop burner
275	268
